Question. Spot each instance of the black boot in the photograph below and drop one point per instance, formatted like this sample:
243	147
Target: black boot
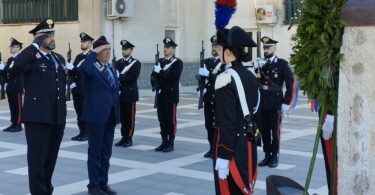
265	161
121	142
163	143
170	145
128	143
274	161
8	128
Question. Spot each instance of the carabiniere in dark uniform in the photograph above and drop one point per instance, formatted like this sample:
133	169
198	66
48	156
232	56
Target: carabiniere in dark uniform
44	111
168	72
212	68
14	88
129	69
271	77
77	91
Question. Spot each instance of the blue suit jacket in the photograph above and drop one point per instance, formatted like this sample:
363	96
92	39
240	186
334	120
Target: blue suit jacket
100	97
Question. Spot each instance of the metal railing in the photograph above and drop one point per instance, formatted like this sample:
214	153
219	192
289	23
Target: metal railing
27	11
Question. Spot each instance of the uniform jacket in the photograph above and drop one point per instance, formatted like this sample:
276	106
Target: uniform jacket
44	100
128	79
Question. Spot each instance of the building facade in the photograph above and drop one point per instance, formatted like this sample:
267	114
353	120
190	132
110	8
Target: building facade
147	23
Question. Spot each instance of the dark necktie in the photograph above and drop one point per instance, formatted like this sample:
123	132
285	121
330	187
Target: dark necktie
109	76
50	58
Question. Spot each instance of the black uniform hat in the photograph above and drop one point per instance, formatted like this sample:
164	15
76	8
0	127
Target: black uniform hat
213	39
234	37
268	41
85	37
126	44
168	42
99	42
14	42
45	26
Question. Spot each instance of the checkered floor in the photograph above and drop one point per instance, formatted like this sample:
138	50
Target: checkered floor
139	170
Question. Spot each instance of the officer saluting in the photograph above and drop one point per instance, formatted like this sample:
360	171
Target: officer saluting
101	113
14	88
76	86
129	69
212	67
44	111
168	72
272	77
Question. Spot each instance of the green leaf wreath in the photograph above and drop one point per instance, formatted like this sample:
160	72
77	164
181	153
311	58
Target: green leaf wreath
316	57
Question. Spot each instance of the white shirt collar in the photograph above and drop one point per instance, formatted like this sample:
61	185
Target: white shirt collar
44	53
85	52
16	54
272	58
127	59
168	58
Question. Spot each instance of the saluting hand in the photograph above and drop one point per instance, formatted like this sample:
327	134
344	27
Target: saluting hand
101	48
40	38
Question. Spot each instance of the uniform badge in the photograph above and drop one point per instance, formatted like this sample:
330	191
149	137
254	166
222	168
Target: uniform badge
50	22
42	66
37	55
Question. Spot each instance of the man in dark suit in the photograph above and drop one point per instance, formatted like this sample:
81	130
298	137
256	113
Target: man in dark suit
77	91
14	88
101	113
129	69
44	111
168	71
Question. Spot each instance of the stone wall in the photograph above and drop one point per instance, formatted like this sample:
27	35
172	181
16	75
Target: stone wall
356	124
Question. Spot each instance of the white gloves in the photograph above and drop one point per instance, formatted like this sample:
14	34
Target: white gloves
5	86
328	127
69	66
285	108
203	71
2	65
157	68
73	85
222	166
204	92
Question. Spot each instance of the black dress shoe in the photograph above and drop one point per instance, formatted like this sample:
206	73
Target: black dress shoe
169	147
128	143
274	162
121	142
208	154
108	190
162	145
96	191
265	161
15	128
76	138
8	128
83	138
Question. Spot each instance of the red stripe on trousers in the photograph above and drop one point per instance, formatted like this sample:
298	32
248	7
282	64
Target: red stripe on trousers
19	108
174	120
132	120
278	127
252	175
224	188
237	177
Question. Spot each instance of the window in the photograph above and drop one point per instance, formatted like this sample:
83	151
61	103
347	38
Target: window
292	11
26	11
171	34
